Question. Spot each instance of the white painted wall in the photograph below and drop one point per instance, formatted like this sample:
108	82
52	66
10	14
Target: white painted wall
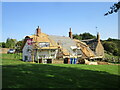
44	53
26	53
47	54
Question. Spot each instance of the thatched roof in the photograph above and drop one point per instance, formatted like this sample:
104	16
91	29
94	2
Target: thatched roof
92	43
43	38
86	51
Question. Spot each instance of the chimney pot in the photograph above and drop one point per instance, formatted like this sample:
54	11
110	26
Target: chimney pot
98	36
38	31
70	33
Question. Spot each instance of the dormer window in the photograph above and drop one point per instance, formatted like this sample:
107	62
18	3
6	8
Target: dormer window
44	44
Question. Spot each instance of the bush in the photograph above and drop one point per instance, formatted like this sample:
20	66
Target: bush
111	47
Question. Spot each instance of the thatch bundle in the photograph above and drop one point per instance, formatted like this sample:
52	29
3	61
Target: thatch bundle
102	63
90	63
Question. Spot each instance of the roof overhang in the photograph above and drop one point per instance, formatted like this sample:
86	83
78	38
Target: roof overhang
47	48
96	57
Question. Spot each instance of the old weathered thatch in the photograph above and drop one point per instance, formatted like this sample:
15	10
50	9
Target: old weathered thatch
86	51
96	46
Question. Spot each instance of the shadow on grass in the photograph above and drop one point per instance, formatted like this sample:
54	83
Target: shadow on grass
49	76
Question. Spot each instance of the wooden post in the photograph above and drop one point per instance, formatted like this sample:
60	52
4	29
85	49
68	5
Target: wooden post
37	56
52	61
42	60
38	61
33	56
68	60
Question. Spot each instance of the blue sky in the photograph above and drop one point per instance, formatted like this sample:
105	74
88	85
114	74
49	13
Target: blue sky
22	18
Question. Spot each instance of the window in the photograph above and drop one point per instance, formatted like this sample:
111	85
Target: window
26	57
44	44
78	52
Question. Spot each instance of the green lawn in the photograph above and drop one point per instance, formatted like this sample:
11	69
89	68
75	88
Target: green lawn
19	74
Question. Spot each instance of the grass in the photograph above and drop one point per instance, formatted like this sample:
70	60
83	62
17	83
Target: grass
11	56
19	74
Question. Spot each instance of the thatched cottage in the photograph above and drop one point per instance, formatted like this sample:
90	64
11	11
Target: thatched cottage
96	46
43	48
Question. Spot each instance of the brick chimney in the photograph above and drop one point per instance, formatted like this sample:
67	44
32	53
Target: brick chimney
38	31
98	36
70	33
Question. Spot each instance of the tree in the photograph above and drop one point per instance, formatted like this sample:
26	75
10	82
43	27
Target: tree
111	47
19	45
84	36
76	36
109	39
0	44
3	45
10	43
114	8
87	36
116	52
114	40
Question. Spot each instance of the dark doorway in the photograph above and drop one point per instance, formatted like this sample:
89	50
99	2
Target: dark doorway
66	61
40	60
26	58
49	60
